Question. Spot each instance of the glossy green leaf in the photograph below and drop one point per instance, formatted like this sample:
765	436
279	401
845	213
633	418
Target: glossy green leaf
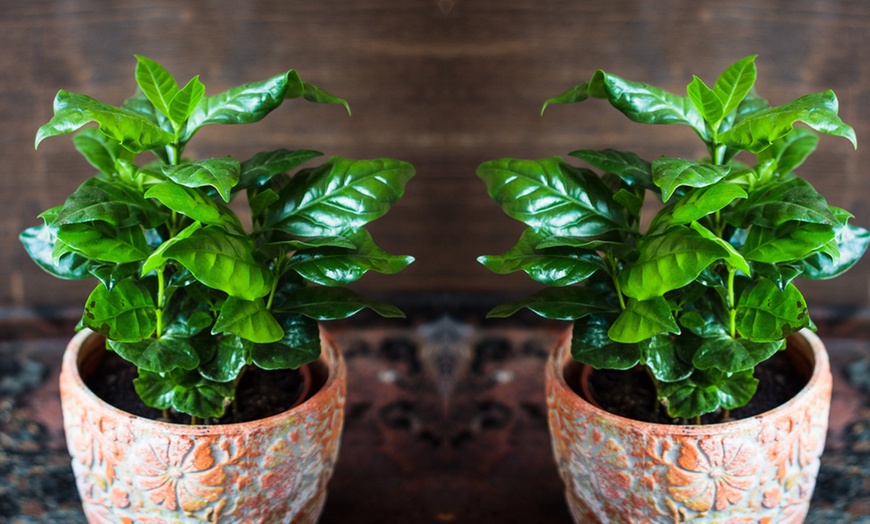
780	274
249	319
790	151
734	258
672	173
778	202
733	355
219	173
195	204
201	400
157	258
260	168
336	266
559	266
706	100
132	130
669	261
633	170
244	104
662	358
230	356
111	202
641	320
158	355
99	150
553	196
852	242
707	391
564	303
299	346
735	83
701	202
39	242
110	273
339	196
789	242
222	261
185	101
332	303
591	345
320	96
156	82
127	313
154	390
104	243
819	111
767	314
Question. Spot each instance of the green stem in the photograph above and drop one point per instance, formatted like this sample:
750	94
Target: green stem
278	262
732	309
161	299
697	420
614	276
194	420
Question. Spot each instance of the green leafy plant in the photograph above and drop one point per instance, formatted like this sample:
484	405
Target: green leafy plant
188	292
706	291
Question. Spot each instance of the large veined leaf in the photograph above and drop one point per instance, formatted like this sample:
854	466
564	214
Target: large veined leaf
701	202
767	314
133	131
339	196
734	258
195	204
790	151
779	202
819	111
219	173
336	266
156	82
102	242
100	151
672	173
706	391
318	95
705	100
661	357
231	353
187	392
185	101
39	242
111	202
735	83
248	319
244	104
789	242
332	303
558	266
564	303
156	258
222	261
553	196
591	345
641	320
159	355
669	261
300	345
632	169
260	168
732	355
127	313
852	242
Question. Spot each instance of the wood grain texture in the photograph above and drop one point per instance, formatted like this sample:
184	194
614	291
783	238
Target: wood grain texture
444	84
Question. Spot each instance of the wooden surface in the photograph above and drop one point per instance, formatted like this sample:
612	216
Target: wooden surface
444	84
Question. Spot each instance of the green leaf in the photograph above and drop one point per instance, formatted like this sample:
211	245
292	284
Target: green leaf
662	358
553	196
222	261
819	111
230	356
767	314
127	313
201	400
131	130
560	266
244	104
701	202
336	266
789	242
733	355
332	303
101	242
705	100
633	170
249	319
641	320
669	261
591	345
112	202
160	355
790	151
735	83
707	391
39	242
339	196
573	95
154	390
219	173
852	242
778	202
156	258
157	84
185	101
299	346
671	173
564	303
195	204
734	258
260	168
320	96
99	150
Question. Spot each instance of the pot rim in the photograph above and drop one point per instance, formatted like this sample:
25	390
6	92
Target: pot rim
811	348
330	356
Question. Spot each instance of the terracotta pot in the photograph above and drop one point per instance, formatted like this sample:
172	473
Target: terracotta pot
133	469
760	469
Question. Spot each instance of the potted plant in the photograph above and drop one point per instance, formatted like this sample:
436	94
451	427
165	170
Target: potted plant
694	301
213	310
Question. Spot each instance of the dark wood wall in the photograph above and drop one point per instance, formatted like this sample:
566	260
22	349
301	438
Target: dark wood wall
444	84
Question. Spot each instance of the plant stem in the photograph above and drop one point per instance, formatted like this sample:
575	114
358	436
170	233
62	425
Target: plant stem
613	275
278	261
161	299
697	420
732	310
194	420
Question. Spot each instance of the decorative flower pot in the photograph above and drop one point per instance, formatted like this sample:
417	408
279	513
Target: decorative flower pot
759	469
133	469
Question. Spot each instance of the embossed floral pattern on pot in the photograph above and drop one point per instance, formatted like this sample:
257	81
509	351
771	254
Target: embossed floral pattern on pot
761	469
132	469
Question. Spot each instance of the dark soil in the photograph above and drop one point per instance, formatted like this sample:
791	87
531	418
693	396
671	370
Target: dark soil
260	393
631	393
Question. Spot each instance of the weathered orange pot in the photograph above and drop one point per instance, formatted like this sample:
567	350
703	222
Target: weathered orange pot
133	469
761	469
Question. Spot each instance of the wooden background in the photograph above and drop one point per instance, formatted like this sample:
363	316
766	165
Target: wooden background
444	84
